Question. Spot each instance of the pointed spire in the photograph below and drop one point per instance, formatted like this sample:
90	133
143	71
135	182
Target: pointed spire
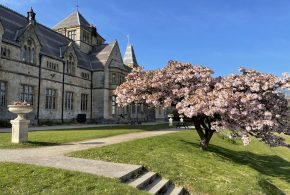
129	57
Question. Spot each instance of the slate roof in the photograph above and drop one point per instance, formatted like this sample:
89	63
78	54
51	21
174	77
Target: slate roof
99	56
53	43
129	57
15	24
74	19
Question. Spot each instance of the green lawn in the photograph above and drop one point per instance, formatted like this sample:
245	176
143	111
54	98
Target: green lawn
28	179
227	168
55	137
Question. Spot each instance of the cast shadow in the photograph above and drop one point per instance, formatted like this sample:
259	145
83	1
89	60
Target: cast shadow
271	165
36	143
268	188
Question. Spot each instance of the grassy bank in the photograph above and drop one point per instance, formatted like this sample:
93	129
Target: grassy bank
27	179
227	168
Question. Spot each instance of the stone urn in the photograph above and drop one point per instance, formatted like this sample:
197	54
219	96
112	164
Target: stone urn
170	116
20	124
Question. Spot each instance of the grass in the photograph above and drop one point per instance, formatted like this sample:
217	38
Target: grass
56	137
227	168
28	179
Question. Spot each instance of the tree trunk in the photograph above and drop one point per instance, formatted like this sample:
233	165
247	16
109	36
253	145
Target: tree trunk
204	144
204	133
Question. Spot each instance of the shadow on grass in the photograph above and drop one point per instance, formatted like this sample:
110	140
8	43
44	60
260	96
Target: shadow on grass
269	188
271	165
35	143
92	143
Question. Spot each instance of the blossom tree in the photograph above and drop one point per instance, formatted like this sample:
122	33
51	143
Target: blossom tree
248	104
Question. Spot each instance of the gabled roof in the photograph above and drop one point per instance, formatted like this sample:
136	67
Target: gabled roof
100	55
53	44
129	57
74	19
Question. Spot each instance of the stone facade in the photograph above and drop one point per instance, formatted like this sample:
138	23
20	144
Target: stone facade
64	71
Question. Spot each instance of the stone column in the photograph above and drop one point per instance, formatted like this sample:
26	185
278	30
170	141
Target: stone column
19	130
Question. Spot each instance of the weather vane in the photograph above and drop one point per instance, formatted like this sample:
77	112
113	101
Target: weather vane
77	5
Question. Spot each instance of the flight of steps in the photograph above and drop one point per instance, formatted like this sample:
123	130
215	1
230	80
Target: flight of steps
152	182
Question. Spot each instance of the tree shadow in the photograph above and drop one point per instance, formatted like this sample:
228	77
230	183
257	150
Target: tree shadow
36	143
271	165
269	188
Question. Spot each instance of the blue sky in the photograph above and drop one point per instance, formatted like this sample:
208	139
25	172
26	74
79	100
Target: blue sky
221	34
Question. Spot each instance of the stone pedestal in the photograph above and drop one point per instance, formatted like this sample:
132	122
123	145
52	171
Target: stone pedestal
19	130
170	122
170	116
20	124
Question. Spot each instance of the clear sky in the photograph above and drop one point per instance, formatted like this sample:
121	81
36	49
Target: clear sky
221	34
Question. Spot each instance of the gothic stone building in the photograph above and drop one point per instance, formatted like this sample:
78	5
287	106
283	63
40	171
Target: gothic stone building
64	71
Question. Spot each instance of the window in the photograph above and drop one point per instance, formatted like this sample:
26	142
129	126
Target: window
125	110
50	99
113	78
84	102
133	109
68	100
26	94
70	65
114	105
85	75
86	37
72	34
5	52
51	65
28	52
3	92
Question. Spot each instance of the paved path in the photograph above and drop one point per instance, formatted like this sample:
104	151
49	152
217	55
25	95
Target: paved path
54	156
75	126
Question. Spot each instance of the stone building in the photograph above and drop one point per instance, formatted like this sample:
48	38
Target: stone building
64	72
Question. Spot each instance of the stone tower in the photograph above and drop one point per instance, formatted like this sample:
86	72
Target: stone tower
77	28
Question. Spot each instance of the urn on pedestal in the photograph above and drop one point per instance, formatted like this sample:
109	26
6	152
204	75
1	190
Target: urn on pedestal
20	124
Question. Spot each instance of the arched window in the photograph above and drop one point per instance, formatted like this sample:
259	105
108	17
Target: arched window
28	53
70	65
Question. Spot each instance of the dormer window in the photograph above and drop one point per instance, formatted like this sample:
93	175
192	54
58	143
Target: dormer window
72	34
70	65
28	52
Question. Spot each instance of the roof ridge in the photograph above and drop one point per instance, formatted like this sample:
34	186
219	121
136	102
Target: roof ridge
15	12
78	17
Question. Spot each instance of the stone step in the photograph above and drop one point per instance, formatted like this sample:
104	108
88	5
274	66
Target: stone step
158	186
143	181
175	190
132	174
